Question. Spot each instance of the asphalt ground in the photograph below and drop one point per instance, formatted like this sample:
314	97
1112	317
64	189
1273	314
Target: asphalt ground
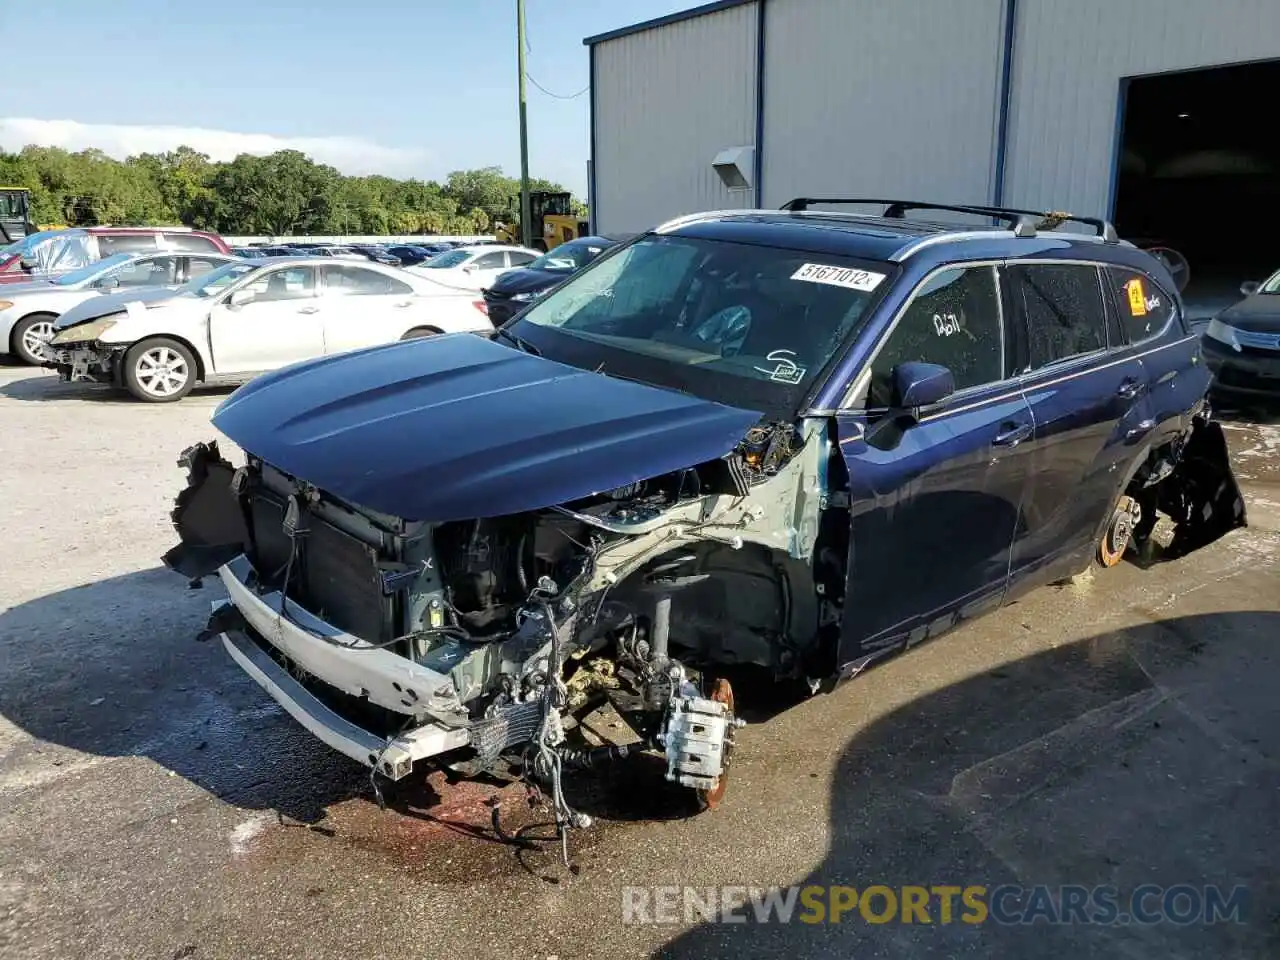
1120	730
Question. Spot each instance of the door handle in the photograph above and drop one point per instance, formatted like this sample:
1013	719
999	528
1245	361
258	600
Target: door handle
1011	434
308	309
1130	389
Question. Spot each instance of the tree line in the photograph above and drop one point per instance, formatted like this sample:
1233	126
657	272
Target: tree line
281	194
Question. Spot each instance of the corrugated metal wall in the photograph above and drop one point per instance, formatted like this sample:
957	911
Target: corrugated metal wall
1068	63
666	102
881	99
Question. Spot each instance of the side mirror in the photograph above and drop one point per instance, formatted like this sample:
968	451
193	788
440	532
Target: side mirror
917	384
108	283
239	298
30	265
1250	287
468	269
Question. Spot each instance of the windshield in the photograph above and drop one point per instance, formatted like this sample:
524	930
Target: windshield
742	324
91	270
451	258
215	281
568	257
27	244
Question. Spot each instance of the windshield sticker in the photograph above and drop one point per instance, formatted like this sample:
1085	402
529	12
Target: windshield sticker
785	369
850	277
1137	298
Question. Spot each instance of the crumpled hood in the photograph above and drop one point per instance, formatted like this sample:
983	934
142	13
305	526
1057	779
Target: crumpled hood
109	303
457	427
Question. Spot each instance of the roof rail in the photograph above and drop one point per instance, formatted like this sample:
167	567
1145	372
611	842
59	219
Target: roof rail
1024	223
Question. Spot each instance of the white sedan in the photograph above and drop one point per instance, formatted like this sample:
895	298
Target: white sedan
28	311
474	267
249	317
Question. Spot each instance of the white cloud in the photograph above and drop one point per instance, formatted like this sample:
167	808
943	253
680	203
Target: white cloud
351	155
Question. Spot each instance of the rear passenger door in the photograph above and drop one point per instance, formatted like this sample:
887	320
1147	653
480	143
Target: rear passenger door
934	512
1088	398
1149	320
361	307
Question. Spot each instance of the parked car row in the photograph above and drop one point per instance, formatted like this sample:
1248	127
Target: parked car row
247	317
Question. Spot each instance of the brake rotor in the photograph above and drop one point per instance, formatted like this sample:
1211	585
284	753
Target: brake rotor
721	692
1119	531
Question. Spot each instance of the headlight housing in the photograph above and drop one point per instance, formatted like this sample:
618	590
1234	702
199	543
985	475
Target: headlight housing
1223	333
84	332
5	304
529	296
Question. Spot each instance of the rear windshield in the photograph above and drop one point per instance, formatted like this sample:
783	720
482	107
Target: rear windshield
746	325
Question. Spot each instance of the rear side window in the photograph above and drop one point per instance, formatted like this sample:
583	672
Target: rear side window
953	320
356	282
1143	308
125	243
190	242
1062	304
519	259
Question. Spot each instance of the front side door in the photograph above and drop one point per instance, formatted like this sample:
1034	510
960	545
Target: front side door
360	307
934	510
279	325
1091	410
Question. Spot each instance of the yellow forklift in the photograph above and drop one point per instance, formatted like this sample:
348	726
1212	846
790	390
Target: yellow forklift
15	214
553	222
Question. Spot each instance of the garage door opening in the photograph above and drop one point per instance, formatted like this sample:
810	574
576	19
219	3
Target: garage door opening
1199	162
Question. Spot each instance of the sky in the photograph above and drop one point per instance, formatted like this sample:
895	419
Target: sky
406	89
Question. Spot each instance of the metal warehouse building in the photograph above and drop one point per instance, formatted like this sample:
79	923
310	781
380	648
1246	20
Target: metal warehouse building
1153	112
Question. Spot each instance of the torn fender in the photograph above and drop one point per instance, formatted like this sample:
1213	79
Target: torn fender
1201	495
207	515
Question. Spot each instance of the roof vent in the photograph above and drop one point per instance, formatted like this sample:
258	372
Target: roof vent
735	167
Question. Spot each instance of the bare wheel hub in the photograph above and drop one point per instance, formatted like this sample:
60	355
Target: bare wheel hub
1119	531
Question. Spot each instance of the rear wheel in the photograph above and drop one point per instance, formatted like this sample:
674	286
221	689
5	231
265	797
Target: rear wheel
1119	533
159	370
30	334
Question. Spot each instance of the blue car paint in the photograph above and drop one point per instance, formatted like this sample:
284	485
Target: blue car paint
994	521
459	427
993	491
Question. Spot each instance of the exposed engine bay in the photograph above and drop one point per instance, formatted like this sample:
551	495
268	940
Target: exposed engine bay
481	639
482	643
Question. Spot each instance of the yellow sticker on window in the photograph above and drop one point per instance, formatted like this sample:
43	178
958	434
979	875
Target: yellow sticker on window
1137	298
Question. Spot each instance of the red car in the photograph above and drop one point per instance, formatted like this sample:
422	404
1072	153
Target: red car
51	252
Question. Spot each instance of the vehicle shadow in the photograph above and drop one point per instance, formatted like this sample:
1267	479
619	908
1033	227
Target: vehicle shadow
49	387
1144	755
113	668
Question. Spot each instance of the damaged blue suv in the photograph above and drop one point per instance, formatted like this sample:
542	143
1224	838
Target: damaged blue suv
796	440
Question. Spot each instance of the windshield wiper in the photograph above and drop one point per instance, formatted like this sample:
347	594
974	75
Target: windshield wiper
519	342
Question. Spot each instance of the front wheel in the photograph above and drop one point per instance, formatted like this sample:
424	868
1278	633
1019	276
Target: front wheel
30	335
417	333
159	370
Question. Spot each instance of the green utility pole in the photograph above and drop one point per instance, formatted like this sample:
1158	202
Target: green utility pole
525	215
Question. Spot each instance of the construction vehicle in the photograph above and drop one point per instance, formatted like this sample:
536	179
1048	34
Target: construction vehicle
15	214
553	222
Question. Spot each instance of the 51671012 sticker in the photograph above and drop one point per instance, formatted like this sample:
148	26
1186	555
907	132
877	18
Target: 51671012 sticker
851	277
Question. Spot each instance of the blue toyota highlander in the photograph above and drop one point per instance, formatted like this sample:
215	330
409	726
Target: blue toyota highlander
796	441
